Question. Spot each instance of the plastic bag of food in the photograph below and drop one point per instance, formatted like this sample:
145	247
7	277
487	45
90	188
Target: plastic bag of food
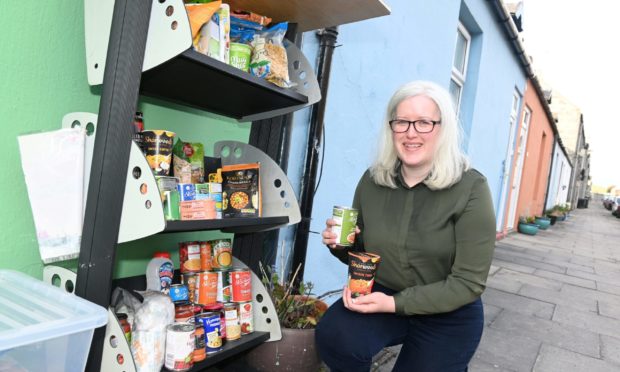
269	59
199	14
148	336
188	163
243	31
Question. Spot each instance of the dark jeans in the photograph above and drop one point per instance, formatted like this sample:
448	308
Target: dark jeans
446	342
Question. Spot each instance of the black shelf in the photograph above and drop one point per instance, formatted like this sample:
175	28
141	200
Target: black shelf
193	79
233	225
230	349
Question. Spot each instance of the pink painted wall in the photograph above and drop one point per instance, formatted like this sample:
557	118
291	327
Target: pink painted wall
538	156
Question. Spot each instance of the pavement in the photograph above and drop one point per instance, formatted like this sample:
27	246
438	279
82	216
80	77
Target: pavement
552	302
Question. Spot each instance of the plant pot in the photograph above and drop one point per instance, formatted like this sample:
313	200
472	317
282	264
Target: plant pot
296	351
528	228
553	219
542	222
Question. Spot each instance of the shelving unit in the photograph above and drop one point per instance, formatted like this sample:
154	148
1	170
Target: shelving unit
221	89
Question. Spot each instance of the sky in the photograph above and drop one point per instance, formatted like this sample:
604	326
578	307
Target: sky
574	46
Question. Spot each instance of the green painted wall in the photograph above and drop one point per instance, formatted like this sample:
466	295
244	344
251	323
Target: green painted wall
42	78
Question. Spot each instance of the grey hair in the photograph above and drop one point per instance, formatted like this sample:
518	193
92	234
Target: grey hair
449	160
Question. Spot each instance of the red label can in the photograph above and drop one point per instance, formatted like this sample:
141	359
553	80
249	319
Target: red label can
223	286
246	318
241	285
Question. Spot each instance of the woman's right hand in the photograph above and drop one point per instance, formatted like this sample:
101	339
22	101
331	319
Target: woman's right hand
329	237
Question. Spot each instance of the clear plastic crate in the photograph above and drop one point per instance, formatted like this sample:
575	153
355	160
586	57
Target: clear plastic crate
43	328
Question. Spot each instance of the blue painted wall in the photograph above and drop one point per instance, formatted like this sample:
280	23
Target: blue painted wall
375	57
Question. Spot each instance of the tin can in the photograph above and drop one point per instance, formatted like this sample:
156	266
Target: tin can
246	317
221	254
211	325
223	286
233	328
189	257
218	308
241	285
183	312
205	256
180	343
200	351
206	287
346	220
189	279
179	293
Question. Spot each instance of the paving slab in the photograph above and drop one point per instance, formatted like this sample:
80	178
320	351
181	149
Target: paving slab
587	321
549	332
558	298
520	304
555	359
523	278
514	353
610	349
568	279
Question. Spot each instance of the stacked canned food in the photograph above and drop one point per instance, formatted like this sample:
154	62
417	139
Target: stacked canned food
214	299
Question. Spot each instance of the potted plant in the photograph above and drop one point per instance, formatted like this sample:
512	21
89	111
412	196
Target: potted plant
542	222
527	225
299	311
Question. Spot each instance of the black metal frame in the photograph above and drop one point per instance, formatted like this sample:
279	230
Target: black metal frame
121	84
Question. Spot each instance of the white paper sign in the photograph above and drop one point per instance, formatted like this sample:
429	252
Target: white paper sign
53	164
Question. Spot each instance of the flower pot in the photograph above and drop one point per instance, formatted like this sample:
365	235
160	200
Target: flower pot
528	228
296	351
542	222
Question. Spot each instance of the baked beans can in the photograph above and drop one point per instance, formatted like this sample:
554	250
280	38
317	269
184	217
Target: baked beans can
233	328
205	256
179	293
189	257
189	279
346	220
223	286
221	254
241	285
180	343
212	328
246	317
206	287
362	269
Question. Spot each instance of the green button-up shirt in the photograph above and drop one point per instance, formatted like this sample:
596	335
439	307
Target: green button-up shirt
436	246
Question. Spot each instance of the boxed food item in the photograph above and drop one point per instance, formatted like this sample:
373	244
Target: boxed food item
241	194
43	327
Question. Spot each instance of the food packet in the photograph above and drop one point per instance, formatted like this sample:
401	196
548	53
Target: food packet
199	14
269	60
257	18
188	163
243	31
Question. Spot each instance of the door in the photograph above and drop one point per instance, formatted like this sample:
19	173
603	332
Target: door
516	97
516	179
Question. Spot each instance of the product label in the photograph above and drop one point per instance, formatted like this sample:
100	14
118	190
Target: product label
166	272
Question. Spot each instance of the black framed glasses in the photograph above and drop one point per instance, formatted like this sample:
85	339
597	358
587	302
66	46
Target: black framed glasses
420	126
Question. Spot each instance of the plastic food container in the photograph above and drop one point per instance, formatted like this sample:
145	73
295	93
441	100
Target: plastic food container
42	327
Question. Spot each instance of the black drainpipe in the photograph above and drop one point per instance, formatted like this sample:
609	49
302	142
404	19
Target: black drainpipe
327	43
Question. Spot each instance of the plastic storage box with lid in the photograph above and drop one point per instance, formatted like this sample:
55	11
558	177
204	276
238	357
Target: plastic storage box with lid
43	328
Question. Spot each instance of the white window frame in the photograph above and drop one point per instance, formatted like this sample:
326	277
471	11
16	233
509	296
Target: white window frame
457	76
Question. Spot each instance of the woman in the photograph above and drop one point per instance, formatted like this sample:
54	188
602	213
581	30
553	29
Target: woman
430	218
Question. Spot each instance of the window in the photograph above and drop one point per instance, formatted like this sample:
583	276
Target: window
459	64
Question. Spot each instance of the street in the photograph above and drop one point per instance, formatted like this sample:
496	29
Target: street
552	302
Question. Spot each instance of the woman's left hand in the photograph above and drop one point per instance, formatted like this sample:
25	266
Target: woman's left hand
375	302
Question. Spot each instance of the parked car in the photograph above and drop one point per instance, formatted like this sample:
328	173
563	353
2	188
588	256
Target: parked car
608	200
615	207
